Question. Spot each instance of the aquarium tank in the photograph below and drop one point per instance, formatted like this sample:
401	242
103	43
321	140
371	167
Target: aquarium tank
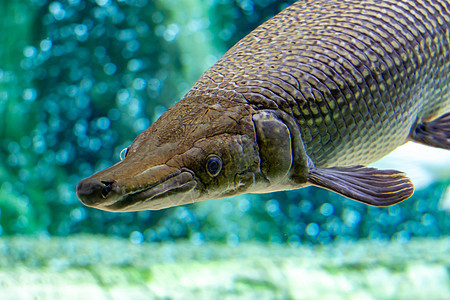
80	79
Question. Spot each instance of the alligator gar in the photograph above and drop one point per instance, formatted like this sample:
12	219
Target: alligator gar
310	97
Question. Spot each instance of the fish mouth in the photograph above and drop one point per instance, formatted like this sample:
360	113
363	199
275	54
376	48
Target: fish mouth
176	190
155	188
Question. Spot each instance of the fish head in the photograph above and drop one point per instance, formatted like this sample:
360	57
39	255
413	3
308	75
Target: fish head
200	149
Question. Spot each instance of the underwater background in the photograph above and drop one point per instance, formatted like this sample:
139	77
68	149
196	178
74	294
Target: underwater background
79	79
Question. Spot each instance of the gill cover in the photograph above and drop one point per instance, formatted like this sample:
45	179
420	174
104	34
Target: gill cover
284	162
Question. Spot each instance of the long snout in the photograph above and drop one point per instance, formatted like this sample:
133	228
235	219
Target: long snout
125	188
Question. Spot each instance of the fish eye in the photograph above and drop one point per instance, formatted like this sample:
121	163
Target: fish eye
124	153
213	165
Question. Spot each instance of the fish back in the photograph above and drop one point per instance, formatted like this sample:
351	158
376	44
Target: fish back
356	75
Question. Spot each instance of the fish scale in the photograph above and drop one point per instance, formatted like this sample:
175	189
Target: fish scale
352	70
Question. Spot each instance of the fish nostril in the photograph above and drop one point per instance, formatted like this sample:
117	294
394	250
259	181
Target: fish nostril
94	192
107	188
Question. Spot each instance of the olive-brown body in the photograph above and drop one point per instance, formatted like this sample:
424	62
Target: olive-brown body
357	75
308	98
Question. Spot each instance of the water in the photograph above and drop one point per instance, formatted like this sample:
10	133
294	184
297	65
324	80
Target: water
80	79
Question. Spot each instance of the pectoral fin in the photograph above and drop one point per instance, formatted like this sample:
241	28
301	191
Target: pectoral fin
435	133
368	185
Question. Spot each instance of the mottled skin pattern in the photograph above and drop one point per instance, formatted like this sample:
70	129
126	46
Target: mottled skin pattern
355	74
307	98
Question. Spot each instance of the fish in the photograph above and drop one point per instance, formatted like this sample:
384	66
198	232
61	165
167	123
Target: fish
309	98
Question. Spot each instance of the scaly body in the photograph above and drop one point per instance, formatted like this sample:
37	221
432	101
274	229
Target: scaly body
356	75
307	98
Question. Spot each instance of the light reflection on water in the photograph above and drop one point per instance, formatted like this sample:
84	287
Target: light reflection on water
423	164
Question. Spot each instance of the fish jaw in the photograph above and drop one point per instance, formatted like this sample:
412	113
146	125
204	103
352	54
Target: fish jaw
155	188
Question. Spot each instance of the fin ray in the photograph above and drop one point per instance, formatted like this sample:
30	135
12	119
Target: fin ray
435	133
368	185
